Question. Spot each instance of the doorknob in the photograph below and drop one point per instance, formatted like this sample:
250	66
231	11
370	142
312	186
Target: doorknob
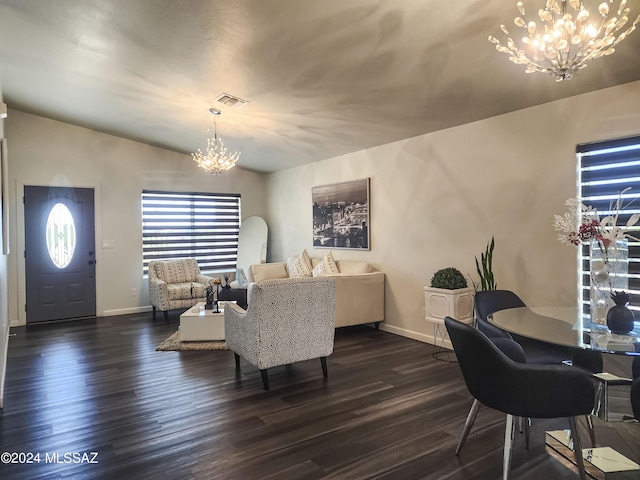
91	262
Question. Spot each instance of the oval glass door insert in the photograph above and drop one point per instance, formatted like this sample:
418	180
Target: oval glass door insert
61	235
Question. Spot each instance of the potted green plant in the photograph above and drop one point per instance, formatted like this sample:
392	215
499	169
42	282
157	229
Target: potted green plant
449	278
485	268
448	295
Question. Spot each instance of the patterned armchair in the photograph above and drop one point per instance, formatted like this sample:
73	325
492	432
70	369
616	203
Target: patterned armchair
287	321
176	284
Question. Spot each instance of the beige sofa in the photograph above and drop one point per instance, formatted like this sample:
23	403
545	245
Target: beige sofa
359	290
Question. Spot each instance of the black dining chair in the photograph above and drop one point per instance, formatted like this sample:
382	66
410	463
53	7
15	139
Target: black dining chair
514	351
485	303
635	398
535	352
635	388
520	390
538	352
490	301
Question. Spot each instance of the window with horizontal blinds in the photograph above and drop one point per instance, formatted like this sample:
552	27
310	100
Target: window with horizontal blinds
204	226
606	169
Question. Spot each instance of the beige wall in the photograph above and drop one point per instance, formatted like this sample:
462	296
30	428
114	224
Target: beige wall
48	152
437	199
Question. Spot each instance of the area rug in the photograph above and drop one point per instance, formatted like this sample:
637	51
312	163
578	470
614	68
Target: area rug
173	344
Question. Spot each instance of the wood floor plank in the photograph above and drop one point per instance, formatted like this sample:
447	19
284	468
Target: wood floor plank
388	410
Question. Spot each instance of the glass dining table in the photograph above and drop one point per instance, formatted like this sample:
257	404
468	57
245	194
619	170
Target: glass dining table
566	326
570	327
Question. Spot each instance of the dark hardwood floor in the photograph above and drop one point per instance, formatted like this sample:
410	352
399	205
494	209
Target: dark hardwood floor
388	410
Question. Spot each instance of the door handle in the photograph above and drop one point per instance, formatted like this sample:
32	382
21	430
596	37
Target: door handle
92	262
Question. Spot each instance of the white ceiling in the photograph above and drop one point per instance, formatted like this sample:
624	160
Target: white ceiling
323	77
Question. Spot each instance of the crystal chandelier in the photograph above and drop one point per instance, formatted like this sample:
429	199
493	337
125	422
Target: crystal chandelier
216	159
567	37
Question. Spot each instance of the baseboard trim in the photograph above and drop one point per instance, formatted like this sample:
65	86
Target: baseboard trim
105	313
421	337
125	311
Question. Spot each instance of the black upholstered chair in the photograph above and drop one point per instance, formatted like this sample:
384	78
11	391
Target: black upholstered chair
520	390
635	388
490	301
485	303
535	352
514	351
635	398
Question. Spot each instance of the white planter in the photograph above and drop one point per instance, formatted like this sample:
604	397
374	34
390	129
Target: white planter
440	303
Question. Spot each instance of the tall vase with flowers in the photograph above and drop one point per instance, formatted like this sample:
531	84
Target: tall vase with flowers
608	249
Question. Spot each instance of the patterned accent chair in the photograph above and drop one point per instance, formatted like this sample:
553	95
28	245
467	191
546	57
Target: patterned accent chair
176	284
288	320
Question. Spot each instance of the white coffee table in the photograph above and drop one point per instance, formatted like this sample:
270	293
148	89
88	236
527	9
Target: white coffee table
198	324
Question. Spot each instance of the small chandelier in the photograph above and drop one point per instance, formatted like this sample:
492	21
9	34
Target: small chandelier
564	42
216	159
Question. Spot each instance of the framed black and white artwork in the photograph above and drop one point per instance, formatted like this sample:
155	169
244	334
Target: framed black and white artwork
341	215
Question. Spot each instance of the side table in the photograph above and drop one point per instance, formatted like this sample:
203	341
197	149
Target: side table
238	295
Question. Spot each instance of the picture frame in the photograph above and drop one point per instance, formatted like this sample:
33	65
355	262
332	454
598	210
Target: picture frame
341	215
4	196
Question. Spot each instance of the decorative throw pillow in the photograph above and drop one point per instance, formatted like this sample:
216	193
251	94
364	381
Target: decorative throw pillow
326	267
290	267
301	266
352	266
269	271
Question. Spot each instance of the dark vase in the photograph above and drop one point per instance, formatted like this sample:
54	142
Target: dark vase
620	319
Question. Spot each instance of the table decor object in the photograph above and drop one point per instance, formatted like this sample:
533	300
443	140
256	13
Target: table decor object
608	269
209	295
217	282
619	317
608	249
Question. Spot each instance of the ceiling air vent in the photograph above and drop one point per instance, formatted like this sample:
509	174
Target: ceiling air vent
230	100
